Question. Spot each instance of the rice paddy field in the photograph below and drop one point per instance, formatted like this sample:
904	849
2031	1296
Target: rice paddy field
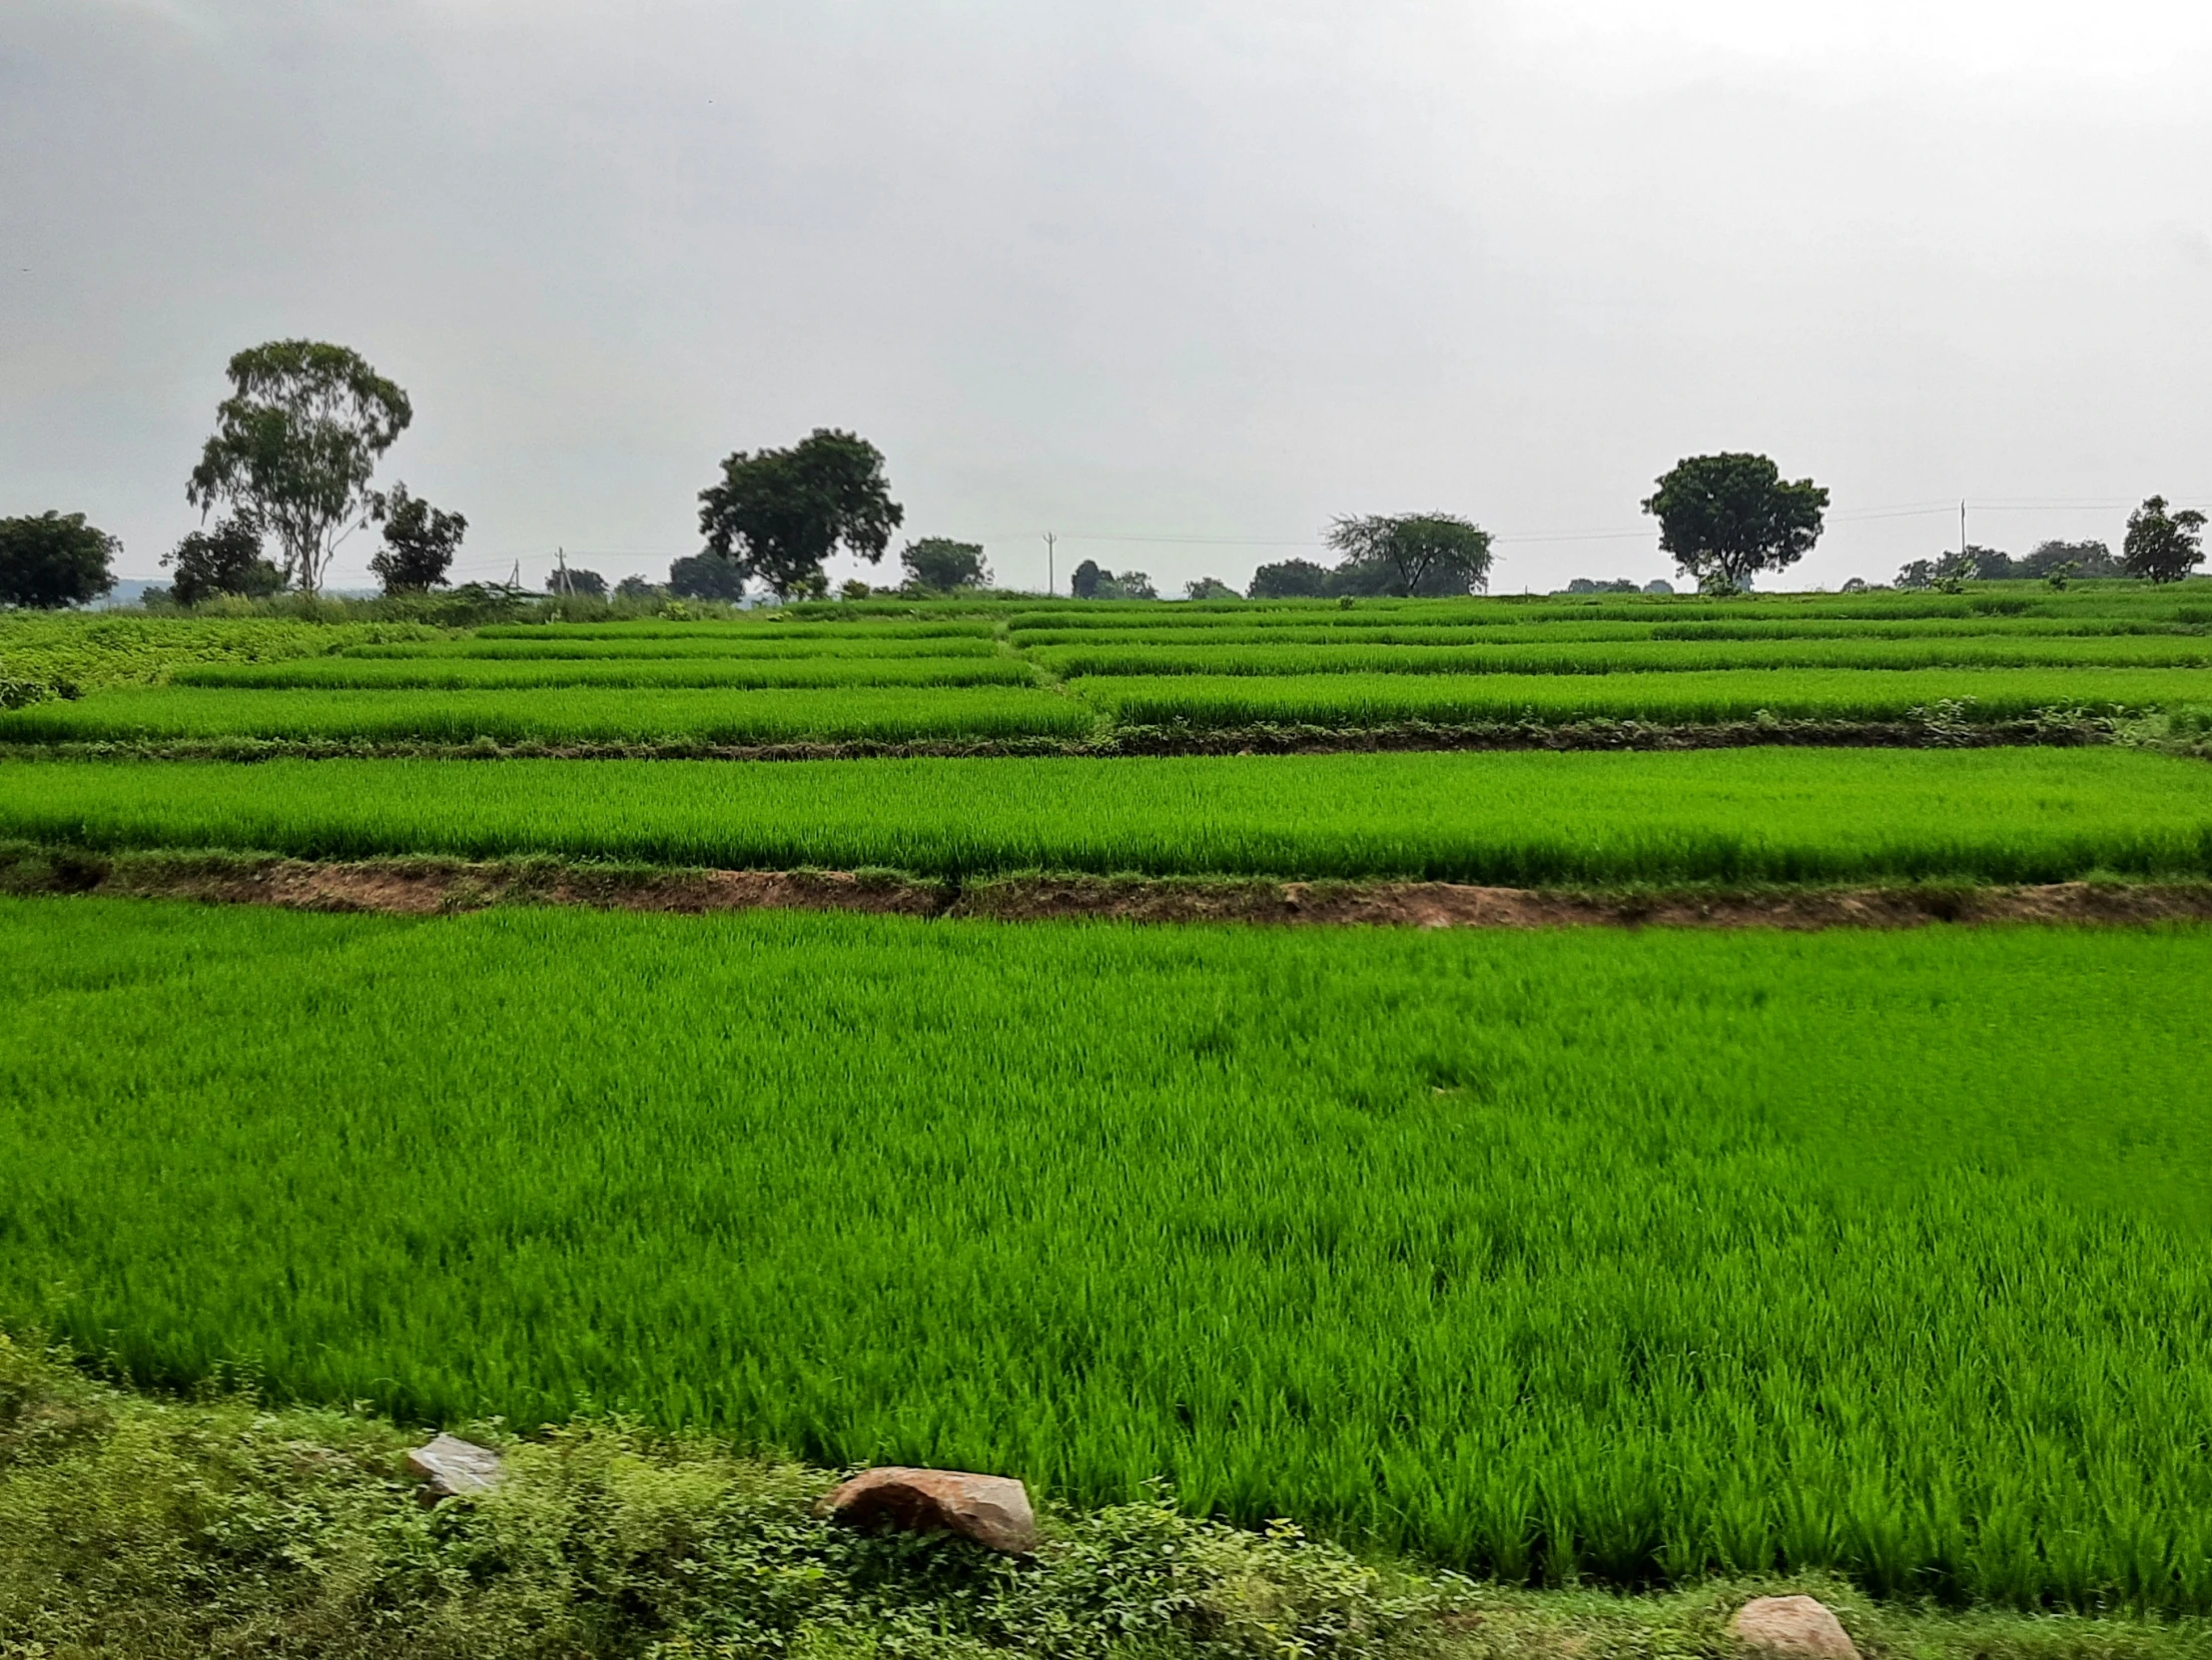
1745	815
1609	1256
1573	1254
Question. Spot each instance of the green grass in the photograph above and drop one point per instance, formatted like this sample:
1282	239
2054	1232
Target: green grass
1357	700
1548	657
1578	1255
1748	815
553	715
477	674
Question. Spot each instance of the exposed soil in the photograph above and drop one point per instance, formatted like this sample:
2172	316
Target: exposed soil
423	887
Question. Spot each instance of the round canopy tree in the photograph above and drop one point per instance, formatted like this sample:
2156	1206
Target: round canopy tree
1727	518
777	515
2162	547
48	560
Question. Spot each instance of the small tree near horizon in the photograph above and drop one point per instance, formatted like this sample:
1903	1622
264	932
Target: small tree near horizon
574	579
1289	579
420	543
1726	517
1415	552
1210	587
777	515
705	576
295	445
52	559
2162	547
941	562
226	559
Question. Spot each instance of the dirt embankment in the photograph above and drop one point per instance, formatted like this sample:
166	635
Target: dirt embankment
428	887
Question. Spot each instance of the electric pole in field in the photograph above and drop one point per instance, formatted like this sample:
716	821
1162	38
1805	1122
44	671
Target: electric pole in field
1963	534
561	553
1051	577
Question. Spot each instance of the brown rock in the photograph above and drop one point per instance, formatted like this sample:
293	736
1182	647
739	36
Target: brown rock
452	1467
1791	1628
993	1510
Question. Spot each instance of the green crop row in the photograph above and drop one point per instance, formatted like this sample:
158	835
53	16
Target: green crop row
759	646
471	673
770	626
1756	815
1639	656
1356	700
552	715
1567	1255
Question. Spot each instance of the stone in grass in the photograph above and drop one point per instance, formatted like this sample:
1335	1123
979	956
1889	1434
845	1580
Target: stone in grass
1791	1628
454	1468
993	1510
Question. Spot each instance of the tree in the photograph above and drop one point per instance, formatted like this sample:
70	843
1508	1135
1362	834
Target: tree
53	559
1290	579
1726	517
706	576
1083	584
641	589
779	513
1415	552
295	445
420	543
943	564
2162	547
574	579
2088	558
226	559
1130	584
1210	587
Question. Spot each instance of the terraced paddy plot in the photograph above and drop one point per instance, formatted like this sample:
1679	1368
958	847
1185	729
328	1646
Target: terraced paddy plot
1614	1255
1519	818
474	673
552	715
1368	700
762	646
1549	656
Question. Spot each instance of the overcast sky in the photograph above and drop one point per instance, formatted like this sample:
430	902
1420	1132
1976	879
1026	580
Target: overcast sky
1204	272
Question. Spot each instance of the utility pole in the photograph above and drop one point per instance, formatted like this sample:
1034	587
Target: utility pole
562	555
1963	535
1051	578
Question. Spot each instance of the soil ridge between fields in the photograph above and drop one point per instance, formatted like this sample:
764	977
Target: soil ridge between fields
431	887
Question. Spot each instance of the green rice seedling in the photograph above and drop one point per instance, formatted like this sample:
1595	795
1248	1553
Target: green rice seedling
1752	815
762	647
478	674
771	626
553	715
1573	1256
1360	700
1547	657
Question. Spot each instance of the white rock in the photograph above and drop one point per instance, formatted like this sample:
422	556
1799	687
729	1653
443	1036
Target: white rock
452	1467
1793	1628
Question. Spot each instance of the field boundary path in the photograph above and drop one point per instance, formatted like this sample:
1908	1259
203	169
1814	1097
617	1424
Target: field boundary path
432	886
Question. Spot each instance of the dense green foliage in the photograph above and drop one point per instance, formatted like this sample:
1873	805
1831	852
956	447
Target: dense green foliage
1515	817
148	1529
50	559
1620	1255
